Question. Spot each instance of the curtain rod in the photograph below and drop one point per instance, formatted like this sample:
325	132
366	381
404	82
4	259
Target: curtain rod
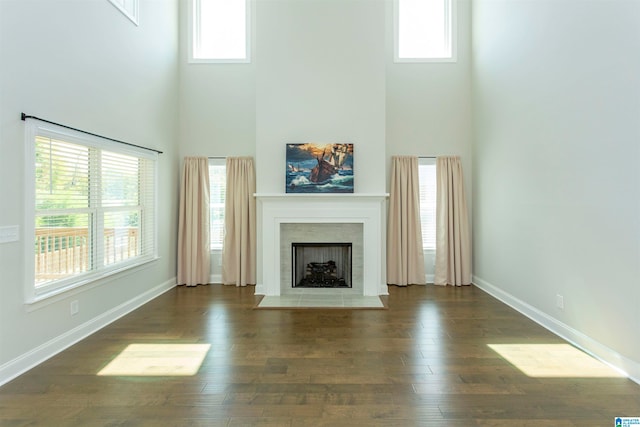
24	117
427	157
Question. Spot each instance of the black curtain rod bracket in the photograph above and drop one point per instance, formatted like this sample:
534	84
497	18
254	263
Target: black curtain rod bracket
24	117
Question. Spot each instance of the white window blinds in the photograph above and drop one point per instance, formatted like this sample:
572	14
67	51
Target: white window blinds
217	193
427	180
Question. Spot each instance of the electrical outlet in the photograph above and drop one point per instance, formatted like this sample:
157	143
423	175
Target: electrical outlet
74	307
560	302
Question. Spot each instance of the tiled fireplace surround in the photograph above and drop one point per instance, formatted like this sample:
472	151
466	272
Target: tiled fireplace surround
321	218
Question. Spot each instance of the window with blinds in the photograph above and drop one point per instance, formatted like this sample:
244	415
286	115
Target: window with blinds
427	181
93	207
217	187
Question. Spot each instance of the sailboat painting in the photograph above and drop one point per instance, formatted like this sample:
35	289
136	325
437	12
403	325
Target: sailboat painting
319	168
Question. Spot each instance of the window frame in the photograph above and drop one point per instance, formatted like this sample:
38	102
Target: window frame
194	25
453	38
148	220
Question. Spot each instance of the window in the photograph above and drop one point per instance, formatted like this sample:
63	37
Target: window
427	180
220	31
217	186
424	30
92	203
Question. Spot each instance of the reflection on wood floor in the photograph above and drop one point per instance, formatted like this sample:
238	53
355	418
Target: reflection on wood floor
204	357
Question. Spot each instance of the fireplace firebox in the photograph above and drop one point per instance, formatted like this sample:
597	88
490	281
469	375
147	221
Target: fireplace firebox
321	265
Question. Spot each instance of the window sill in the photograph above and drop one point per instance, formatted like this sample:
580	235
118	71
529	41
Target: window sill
54	295
443	60
219	61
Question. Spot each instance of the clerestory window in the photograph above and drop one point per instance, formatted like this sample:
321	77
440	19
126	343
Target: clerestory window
220	31
424	30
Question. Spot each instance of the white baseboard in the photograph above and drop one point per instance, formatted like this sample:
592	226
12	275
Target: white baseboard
596	349
32	358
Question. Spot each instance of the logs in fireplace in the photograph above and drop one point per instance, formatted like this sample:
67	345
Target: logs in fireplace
321	265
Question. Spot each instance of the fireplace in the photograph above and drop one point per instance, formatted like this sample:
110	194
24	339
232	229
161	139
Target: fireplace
355	218
315	241
321	265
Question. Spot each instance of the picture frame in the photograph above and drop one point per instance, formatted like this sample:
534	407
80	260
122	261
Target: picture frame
319	168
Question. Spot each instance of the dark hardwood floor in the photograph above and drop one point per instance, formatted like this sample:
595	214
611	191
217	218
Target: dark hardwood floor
425	361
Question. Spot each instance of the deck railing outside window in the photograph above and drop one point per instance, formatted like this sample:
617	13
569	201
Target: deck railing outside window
64	251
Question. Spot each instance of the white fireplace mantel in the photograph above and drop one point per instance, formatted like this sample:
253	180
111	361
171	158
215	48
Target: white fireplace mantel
366	209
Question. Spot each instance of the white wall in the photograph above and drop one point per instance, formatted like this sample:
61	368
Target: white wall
320	78
217	109
556	166
217	104
85	65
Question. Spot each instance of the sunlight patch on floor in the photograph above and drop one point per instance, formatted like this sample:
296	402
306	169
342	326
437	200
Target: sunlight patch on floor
553	360
157	360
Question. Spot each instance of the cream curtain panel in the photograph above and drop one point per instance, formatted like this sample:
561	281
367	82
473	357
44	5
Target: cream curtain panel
193	223
405	258
453	242
239	247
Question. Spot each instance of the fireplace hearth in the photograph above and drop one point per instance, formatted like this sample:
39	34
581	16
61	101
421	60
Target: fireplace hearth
321	265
